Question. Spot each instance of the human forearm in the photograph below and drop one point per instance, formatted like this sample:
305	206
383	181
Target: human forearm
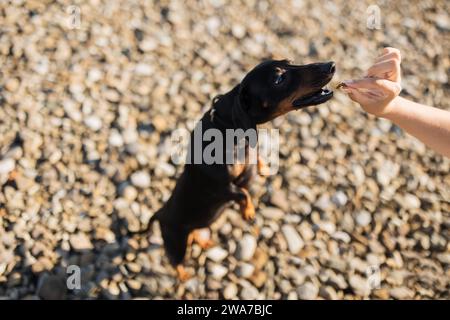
428	124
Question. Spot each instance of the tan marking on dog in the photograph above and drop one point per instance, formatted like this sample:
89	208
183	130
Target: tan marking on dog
285	105
183	275
235	170
198	237
246	206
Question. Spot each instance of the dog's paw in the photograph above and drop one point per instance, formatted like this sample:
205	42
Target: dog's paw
249	212
182	274
262	168
206	244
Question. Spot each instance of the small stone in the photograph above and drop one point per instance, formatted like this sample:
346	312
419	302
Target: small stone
105	234
279	199
143	69
387	171
217	254
148	44
140	179
238	31
306	231
249	293
165	169
115	139
134	284
80	242
324	202
6	166
328	293
360	285
307	291
218	271
272	213
410	201
112	95
95	75
339	199
259	278
52	287
230	291
245	270
401	293
93	123
160	123
381	293
246	248
363	218
130	193
293	239
260	258
342	236
12	84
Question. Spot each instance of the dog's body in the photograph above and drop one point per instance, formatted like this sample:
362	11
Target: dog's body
203	190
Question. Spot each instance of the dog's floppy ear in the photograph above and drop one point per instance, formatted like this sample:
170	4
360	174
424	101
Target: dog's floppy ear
241	106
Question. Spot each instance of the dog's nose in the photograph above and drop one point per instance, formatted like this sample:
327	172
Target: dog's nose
332	67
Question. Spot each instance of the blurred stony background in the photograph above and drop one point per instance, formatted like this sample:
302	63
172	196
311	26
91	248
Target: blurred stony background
86	112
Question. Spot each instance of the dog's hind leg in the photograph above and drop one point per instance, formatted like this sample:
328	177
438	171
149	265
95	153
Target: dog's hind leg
202	237
182	274
175	243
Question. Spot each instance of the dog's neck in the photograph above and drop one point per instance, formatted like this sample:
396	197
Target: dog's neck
227	113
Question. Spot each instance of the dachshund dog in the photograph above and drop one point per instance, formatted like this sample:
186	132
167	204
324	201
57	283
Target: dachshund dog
203	190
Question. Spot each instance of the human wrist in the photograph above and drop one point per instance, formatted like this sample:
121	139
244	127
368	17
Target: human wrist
392	108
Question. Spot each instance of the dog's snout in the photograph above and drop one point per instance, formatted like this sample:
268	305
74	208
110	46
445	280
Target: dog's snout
327	68
332	67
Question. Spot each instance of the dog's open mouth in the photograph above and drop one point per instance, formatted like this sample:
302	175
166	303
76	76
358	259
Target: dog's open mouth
313	99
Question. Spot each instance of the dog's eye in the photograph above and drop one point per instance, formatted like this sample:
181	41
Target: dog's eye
279	78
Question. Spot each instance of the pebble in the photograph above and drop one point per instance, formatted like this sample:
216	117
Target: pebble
339	199
218	271
12	84
360	285
217	254
293	239
363	218
401	293
6	166
249	293
93	122
51	287
230	292
80	242
245	270
272	213
140	179
246	247
410	201
307	291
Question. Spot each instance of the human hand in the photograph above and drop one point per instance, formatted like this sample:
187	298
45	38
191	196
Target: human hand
377	91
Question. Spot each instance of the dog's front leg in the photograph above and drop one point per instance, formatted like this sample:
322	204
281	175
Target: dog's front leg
263	168
243	198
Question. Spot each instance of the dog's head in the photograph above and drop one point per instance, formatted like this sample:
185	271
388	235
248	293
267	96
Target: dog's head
276	87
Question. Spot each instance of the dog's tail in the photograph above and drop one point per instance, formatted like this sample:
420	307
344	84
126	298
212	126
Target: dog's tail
154	217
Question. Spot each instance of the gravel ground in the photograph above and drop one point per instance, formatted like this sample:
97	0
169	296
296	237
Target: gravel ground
87	108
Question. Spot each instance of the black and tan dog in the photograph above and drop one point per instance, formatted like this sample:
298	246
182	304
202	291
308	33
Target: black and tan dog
271	89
